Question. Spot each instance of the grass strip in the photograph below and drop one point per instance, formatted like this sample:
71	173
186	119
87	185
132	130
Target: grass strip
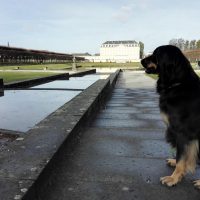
19	76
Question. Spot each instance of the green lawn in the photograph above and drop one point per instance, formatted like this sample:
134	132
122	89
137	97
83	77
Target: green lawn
67	66
18	76
155	76
110	65
198	73
38	67
195	65
15	75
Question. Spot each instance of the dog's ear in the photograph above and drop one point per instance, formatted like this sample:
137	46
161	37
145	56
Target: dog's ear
166	65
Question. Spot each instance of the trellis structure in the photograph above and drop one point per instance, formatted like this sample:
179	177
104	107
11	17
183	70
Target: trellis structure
193	55
13	55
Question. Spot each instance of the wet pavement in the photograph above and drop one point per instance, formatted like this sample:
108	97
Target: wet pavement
122	154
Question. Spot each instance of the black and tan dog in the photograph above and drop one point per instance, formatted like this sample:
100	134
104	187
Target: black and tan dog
179	102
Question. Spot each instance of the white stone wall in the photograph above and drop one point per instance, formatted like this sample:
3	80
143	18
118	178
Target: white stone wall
120	53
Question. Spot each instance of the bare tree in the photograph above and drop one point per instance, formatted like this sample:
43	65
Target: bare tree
173	42
193	44
187	45
198	44
181	43
141	49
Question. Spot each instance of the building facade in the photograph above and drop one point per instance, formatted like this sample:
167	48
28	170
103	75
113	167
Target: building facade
117	51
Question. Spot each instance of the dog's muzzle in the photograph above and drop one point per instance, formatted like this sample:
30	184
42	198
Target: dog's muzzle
150	67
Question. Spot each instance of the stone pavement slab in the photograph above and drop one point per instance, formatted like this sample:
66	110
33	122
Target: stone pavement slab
121	155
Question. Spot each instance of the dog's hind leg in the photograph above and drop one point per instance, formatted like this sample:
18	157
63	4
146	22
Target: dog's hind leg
186	162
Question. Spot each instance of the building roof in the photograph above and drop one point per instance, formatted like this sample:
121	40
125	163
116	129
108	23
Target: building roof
30	51
121	42
16	51
81	54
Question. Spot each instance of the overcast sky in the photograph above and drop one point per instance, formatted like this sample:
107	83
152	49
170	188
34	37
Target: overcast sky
83	25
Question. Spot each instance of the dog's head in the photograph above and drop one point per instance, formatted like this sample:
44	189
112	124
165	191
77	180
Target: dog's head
150	64
170	64
167	58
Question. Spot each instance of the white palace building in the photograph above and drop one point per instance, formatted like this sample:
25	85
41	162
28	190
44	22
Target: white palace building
117	51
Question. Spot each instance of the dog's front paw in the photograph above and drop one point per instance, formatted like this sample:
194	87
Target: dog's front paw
169	181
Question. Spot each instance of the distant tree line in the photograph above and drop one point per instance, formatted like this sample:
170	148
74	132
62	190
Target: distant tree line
185	45
141	49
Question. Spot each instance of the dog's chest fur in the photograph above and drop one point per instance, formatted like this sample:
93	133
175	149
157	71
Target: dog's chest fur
164	109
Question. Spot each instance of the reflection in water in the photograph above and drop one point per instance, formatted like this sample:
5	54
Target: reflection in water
1	92
22	109
73	83
1	87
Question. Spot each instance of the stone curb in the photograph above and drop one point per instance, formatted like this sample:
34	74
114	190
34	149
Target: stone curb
82	73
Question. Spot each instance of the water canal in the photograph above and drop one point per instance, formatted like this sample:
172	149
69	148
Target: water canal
20	110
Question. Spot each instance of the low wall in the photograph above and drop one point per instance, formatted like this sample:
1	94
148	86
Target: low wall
113	78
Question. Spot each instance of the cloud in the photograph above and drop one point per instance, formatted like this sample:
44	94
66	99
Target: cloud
124	14
143	4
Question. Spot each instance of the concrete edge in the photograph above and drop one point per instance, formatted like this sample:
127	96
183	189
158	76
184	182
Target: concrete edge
25	169
113	77
82	73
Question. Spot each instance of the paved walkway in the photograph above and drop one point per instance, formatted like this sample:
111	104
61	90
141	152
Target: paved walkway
121	156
